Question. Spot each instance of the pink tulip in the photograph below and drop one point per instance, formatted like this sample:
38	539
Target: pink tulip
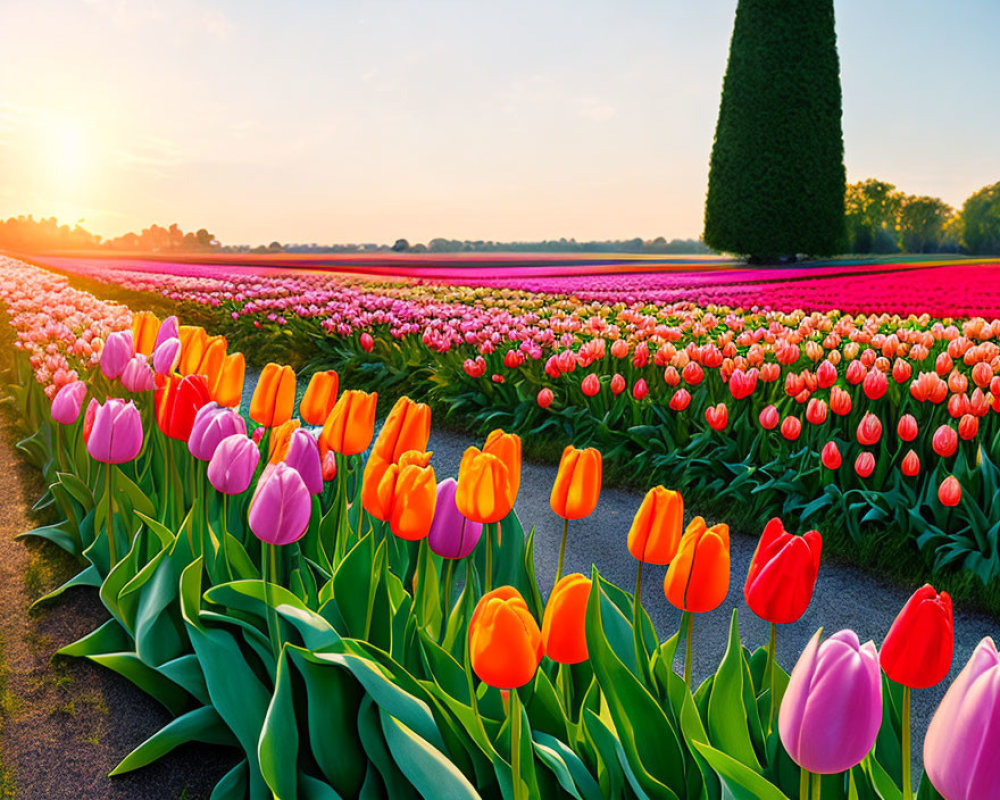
116	434
137	375
68	401
233	464
451	535
832	709
212	424
281	505
303	457
166	355
118	351
168	330
961	742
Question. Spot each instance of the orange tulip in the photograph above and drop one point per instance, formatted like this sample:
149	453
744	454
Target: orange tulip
406	496
274	396
350	427
376	469
194	340
578	483
656	529
563	633
145	326
281	440
505	645
228	387
408	427
698	577
320	397
483	493
507	447
212	359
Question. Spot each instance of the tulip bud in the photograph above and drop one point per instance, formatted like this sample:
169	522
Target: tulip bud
692	373
907	428
617	385
118	351
578	483
116	434
680	400
918	649
831	456
563	625
274	396
483	493
349	428
211	425
329	465
145	327
505	644
968	427
68	401
945	441
864	464
840	402
177	402
168	330
303	457
910	465
545	397
167	356
281	506
769	418
826	375
137	375
451	535
656	529
950	491
782	574
791	427
320	397
590	385
875	385
834	686
367	342
233	464
869	430
816	411
640	390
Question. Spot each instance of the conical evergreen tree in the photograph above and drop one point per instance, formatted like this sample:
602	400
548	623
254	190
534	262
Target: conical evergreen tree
776	181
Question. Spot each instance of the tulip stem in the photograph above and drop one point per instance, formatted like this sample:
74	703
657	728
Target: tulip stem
112	558
772	663
688	649
804	784
907	789
269	568
449	572
640	645
225	535
817	785
562	550
488	581
515	742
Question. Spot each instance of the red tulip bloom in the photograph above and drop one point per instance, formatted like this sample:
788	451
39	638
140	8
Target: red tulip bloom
918	649
831	456
869	430
782	573
791	427
856	373
717	416
911	464
177	402
840	402
864	464
591	385
826	375
545	397
901	370
968	427
945	441
875	384
816	411
692	373
617	384
950	491
907	428
769	418
680	400
640	390
742	384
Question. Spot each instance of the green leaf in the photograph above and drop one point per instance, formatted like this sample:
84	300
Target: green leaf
201	725
741	782
727	714
430	772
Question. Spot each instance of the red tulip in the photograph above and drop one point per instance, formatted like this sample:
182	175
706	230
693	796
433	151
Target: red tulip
918	649
680	400
907	428
869	430
782	574
826	375
856	373
671	376
950	491
945	441
640	390
840	402
831	456
742	384
875	385
769	418
901	371
968	427
545	397
791	427
591	385
367	342
864	464
617	384
943	365
717	416
692	373
911	464
816	411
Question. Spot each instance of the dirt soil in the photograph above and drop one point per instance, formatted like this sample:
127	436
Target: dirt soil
67	722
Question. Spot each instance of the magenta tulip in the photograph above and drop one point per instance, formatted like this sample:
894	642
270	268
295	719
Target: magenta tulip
116	436
167	355
212	424
961	742
168	330
137	375
303	457
452	535
68	401
281	505
118	351
233	463
832	709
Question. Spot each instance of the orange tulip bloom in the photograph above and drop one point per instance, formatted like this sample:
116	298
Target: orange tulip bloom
281	440
408	427
228	387
505	645
483	493
507	447
656	529
563	632
376	468
578	483
213	358
194	340
350	427
274	396
320	397
405	496
698	577
145	326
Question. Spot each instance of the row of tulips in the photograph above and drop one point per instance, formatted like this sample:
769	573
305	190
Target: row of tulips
303	609
795	402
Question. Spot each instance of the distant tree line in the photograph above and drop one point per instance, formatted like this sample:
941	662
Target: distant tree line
439	245
882	219
25	233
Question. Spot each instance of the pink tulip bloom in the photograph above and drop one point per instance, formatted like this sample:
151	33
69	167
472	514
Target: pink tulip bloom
137	375
233	464
832	709
212	424
68	401
303	457
451	534
281	505
118	351
167	355
961	741
116	434
168	330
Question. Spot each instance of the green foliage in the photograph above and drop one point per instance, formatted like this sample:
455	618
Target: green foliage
776	180
922	223
872	216
980	227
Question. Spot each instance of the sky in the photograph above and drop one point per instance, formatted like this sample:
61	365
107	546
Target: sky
367	121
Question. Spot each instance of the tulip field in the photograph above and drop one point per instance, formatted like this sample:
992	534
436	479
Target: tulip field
292	579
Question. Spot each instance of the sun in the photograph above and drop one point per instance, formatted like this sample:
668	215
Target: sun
67	153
